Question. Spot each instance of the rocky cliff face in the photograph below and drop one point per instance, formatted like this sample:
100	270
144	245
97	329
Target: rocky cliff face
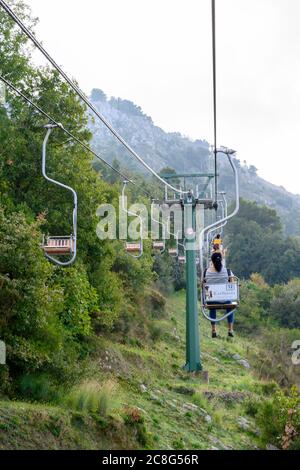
158	148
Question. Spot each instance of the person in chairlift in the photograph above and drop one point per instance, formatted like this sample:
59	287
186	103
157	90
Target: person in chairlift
218	274
218	241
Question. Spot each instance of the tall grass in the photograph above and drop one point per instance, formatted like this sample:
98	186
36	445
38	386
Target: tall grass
93	397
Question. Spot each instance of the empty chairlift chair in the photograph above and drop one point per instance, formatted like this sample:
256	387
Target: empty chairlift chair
59	245
134	249
173	252
158	246
63	246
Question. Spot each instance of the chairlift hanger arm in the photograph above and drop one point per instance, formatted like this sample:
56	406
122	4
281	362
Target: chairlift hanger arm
217	320
163	227
133	214
214	64
207	183
224	214
167	225
50	128
176	236
229	154
224	205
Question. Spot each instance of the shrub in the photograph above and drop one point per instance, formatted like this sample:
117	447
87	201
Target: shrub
273	361
252	406
133	418
279	420
39	387
80	300
200	400
179	444
286	304
111	298
270	388
30	303
133	415
155	332
158	302
254	310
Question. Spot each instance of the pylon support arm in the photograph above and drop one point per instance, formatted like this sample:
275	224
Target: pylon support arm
228	217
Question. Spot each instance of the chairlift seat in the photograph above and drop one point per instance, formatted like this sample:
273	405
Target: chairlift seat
133	247
173	252
158	246
221	306
220	296
58	245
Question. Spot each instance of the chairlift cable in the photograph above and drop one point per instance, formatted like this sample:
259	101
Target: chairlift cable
214	61
72	136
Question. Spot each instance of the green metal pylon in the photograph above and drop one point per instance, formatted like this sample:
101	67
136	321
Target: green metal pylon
193	361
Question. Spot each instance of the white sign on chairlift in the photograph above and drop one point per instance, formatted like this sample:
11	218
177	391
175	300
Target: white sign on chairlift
221	292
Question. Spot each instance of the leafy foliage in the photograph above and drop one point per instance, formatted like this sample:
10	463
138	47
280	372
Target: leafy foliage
257	245
48	314
30	303
80	301
285	304
279	419
256	298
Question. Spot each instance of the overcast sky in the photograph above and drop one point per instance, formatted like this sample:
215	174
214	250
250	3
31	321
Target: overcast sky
157	53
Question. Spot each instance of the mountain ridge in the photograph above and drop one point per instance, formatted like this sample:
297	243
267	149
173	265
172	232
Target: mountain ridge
162	149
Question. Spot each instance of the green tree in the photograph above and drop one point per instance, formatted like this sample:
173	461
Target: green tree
48	313
256	244
285	305
30	305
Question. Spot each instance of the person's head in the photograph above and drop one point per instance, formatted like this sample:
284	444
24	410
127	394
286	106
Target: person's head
217	261
218	236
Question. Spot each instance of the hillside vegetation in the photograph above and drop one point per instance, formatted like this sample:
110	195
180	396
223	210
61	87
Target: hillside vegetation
256	243
135	395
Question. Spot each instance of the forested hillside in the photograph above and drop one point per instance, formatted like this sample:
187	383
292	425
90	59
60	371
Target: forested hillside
48	314
257	244
95	351
161	149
